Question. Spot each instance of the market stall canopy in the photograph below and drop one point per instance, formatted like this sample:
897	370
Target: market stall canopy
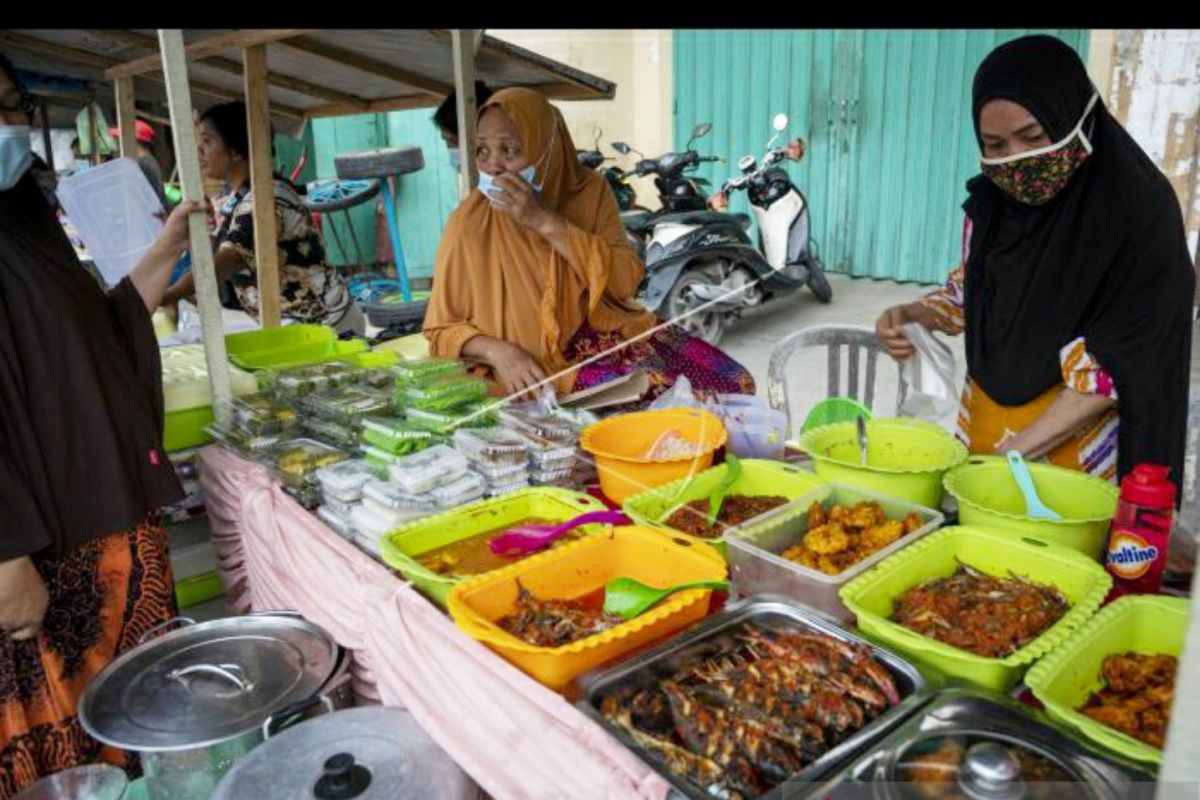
310	73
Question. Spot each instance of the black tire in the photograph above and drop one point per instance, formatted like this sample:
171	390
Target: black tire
344	202
818	283
385	315
706	325
378	163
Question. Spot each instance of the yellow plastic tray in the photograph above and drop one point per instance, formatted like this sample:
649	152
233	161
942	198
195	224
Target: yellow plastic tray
580	569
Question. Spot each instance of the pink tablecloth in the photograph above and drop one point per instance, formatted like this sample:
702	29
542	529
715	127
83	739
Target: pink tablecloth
515	737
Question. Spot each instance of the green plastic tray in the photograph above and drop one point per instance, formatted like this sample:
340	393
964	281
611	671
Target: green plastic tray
198	589
1064	680
183	430
759	477
400	548
871	596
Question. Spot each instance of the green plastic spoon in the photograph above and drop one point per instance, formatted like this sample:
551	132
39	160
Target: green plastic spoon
732	472
627	598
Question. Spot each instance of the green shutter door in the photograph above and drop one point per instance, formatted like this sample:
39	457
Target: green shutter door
886	116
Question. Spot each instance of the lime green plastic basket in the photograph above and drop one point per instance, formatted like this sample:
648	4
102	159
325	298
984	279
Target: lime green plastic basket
906	458
1065	679
872	596
988	496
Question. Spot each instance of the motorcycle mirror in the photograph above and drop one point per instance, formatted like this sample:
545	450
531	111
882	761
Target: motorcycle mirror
780	123
597	133
746	164
701	130
621	148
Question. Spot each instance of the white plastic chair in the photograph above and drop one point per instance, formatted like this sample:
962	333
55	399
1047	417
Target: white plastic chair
856	340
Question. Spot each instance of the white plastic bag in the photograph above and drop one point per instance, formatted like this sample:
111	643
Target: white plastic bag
934	379
680	395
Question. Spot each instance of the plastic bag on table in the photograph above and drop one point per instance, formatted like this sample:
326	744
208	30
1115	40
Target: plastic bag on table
755	429
680	395
934	379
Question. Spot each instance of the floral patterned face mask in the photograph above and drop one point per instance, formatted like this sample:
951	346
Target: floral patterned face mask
1035	177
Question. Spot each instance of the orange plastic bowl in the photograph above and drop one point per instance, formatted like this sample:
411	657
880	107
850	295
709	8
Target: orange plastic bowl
620	445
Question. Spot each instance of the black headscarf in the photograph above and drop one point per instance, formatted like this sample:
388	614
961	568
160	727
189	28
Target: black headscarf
1105	259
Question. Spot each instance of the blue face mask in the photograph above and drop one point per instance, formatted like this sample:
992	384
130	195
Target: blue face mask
486	182
456	159
16	154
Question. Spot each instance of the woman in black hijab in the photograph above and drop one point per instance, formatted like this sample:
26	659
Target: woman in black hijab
1076	287
84	570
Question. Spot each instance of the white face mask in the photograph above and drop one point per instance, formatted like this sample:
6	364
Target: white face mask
1050	148
16	154
456	159
487	182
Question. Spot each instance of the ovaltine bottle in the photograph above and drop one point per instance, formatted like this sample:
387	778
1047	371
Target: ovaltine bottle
1136	554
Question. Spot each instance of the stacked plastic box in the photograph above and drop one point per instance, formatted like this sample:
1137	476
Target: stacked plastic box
499	455
297	462
554	455
257	424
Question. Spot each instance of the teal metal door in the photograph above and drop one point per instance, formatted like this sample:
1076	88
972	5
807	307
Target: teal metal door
885	115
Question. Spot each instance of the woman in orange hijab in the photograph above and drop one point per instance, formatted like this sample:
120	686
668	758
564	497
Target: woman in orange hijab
534	275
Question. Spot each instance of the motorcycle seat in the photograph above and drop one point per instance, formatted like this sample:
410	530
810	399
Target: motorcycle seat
705	218
637	221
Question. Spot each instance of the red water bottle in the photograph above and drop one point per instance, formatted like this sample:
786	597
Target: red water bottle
1136	553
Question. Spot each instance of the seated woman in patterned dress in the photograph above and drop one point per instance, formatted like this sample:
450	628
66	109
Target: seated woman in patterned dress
311	290
1075	289
534	281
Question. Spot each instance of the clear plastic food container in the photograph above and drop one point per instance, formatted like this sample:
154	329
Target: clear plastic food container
497	491
424	471
261	414
395	435
378	378
333	433
344	481
340	507
338	522
499	474
440	422
313	378
346	405
446	394
494	447
243	443
424	370
297	460
543	429
554	459
391	496
466	489
308	495
558	477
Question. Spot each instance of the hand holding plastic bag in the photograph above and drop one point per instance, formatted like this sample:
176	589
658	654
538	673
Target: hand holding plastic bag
934	379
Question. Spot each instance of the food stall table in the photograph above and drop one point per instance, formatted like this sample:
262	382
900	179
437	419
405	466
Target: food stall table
516	738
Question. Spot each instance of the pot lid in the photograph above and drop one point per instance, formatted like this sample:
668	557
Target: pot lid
981	765
368	753
206	683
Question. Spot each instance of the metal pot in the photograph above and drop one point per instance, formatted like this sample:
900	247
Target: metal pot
193	701
972	745
90	782
368	753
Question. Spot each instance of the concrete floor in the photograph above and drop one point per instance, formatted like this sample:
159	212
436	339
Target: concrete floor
855	302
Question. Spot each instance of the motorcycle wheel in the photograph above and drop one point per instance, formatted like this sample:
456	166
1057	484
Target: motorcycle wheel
818	283
707	325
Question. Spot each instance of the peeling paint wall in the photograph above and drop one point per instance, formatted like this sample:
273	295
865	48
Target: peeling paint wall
1155	93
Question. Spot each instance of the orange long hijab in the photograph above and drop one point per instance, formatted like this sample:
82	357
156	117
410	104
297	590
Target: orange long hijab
496	278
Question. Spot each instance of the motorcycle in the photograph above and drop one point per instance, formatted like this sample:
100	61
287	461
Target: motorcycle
616	177
702	268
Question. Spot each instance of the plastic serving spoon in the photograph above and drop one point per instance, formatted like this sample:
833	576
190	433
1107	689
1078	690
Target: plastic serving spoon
1034	507
627	598
717	499
524	539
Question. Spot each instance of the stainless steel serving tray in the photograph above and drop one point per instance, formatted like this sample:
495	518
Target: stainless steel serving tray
714	636
970	711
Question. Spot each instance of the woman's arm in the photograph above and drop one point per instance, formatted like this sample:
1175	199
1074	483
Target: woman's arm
1071	414
227	261
152	272
515	370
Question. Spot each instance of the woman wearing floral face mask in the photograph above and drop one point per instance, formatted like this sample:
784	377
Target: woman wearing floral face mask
534	275
1075	290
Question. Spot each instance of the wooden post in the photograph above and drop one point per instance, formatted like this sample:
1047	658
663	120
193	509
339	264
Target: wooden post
464	91
93	144
208	299
1180	772
262	184
47	144
126	118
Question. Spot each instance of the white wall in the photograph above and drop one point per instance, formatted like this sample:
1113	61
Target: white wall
639	62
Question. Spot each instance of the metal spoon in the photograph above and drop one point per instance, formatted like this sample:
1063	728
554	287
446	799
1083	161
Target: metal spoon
862	441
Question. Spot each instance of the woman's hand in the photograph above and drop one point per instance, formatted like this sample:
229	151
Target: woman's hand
175	234
513	196
889	328
516	370
23	599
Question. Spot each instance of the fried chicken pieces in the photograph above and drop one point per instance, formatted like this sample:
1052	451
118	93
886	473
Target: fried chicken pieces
1137	698
845	535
